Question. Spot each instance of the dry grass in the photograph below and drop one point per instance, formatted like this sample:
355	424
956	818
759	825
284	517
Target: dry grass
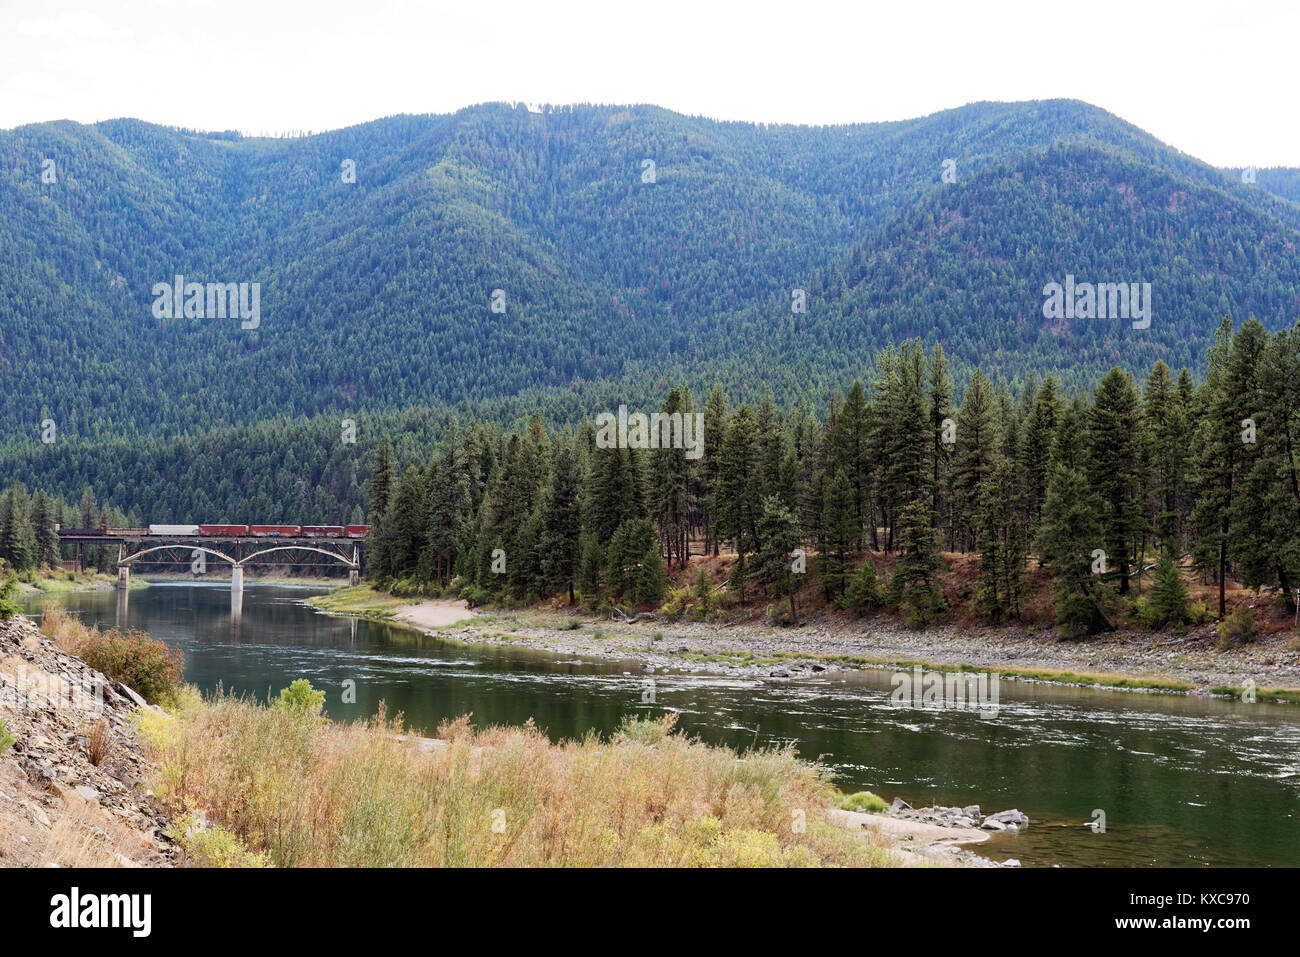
300	791
68	833
99	741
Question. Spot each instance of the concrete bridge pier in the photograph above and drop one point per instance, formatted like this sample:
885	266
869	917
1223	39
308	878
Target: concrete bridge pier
123	577
237	579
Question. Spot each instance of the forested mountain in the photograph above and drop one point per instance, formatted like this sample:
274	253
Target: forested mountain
376	295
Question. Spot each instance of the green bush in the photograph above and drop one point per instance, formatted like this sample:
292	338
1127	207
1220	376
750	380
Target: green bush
863	801
865	589
6	739
147	666
302	698
214	847
8	604
1167	604
1238	627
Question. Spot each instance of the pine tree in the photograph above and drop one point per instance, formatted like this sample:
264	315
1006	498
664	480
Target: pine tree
838	535
1067	538
590	568
715	429
976	445
652	578
1168	599
1036	446
560	547
865	590
47	539
671	484
778	533
914	586
1113	468
736	507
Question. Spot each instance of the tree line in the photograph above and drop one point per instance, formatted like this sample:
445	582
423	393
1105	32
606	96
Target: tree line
1098	486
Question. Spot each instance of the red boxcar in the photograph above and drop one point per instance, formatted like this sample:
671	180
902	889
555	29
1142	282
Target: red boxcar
322	531
236	531
275	531
357	531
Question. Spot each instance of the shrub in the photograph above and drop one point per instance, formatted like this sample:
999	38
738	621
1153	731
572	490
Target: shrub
8	604
1167	603
1238	627
863	801
213	846
6	739
301	697
149	667
864	591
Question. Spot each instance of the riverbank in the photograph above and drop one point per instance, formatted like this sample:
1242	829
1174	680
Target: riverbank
60	582
88	786
1151	663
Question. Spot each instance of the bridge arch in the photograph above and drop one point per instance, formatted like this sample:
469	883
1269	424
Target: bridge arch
128	559
343	559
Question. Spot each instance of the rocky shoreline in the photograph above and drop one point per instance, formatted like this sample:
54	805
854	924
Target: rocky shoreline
1190	664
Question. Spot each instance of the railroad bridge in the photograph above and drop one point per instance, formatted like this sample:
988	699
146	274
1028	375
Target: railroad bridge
299	551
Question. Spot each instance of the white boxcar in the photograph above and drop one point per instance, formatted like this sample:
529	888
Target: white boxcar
173	529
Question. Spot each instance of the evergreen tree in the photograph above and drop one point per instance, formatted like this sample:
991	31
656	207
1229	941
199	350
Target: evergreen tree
838	535
1113	468
778	534
652	578
914	586
1067	538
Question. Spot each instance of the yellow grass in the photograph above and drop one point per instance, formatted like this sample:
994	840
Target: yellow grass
296	790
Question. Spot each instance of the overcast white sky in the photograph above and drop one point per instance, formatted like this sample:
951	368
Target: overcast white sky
1217	80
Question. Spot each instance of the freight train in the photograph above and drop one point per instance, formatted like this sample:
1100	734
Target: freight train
223	531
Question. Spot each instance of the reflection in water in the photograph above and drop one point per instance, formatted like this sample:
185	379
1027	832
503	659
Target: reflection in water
1181	781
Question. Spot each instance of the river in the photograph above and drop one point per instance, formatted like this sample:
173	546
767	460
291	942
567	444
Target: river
1180	781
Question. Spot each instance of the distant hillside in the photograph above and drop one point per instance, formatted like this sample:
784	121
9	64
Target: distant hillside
376	295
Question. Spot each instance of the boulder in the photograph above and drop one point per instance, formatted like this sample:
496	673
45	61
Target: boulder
1012	817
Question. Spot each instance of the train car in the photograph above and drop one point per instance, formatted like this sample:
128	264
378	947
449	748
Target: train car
173	530
275	531
80	532
128	532
322	531
230	531
356	531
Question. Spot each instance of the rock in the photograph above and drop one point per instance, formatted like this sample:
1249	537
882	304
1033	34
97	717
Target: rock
1009	817
900	805
87	793
992	825
1011	862
972	811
